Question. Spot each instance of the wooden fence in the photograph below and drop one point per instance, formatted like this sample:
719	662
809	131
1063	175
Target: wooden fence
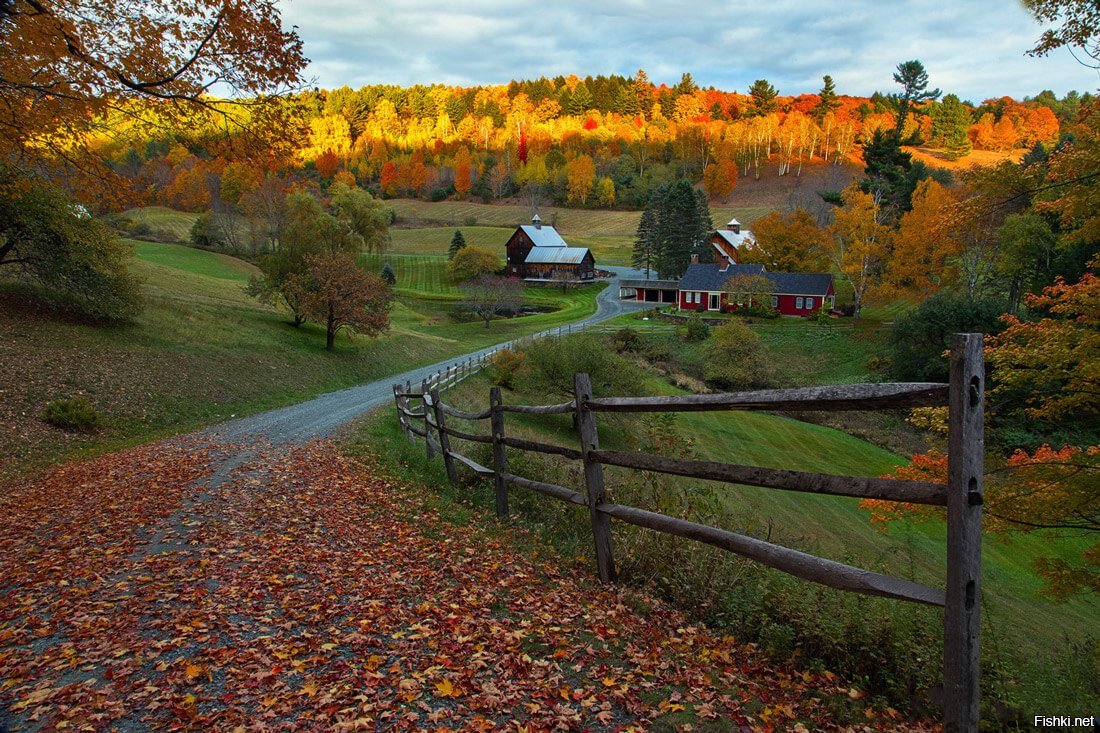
962	495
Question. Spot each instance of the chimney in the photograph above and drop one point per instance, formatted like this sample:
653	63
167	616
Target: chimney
536	221
735	226
695	259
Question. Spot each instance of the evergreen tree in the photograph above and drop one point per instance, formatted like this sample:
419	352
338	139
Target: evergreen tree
682	225
687	85
763	98
950	125
387	274
580	101
645	242
892	176
643	92
914	84
457	243
626	102
829	101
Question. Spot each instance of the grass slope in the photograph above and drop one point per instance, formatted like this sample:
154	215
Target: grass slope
202	351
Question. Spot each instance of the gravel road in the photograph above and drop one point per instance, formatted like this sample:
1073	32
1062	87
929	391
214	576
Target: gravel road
328	412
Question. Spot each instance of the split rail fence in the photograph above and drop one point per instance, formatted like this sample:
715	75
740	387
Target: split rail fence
962	495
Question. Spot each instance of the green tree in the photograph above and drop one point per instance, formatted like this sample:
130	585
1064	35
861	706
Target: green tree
457	242
470	262
829	102
354	221
681	224
950	125
763	98
645	241
47	240
914	90
919	338
891	174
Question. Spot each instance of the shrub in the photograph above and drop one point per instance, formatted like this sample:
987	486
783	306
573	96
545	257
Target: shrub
75	415
696	329
469	221
919	338
627	339
736	358
553	363
505	365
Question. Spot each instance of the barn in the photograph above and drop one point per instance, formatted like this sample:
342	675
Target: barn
702	288
536	252
727	242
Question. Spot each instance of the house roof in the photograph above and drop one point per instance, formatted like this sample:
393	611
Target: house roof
650	284
801	283
711	277
544	236
551	255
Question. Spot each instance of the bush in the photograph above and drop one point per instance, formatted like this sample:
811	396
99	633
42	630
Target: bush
469	221
505	365
919	338
75	415
696	329
736	358
553	362
627	339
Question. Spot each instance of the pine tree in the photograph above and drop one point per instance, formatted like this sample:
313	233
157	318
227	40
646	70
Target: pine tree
950	125
457	243
829	101
387	274
914	83
645	243
643	92
763	98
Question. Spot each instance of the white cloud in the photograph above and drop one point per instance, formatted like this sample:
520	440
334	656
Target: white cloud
975	49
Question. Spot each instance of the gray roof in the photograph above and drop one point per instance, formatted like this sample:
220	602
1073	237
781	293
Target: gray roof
801	283
556	255
711	277
545	236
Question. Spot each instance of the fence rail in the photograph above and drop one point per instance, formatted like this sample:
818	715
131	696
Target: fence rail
962	495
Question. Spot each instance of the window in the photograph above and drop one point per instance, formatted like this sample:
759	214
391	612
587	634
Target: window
810	303
775	301
832	301
798	302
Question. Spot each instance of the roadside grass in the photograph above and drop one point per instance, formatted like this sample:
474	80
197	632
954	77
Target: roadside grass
203	351
1035	653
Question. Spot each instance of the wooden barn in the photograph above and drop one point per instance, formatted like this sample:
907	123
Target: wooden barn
702	288
538	253
727	242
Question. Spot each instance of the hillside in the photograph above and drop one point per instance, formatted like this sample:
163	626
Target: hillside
203	350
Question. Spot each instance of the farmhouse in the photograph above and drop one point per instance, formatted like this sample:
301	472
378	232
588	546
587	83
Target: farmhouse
702	288
538	253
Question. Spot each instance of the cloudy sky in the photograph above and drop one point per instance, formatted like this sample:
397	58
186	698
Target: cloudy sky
974	48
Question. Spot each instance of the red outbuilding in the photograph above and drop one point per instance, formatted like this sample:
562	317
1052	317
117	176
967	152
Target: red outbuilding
702	288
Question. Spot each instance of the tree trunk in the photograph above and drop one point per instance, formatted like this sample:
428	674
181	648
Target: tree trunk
330	332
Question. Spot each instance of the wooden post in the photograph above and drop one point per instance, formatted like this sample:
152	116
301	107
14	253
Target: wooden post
593	479
427	431
444	439
500	457
965	468
404	421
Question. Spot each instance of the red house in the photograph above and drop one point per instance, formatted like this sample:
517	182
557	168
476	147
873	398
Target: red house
702	288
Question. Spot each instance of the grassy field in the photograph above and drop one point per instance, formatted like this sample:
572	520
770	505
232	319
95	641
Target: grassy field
164	224
202	351
1039	650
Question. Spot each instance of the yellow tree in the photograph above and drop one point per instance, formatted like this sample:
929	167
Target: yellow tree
581	176
925	245
857	242
788	242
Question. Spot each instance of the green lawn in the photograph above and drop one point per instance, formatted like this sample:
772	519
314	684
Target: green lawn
164	223
203	350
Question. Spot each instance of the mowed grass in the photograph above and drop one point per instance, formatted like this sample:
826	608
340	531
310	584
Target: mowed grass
203	351
164	223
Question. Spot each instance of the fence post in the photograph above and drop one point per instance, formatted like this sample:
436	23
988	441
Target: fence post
404	421
500	457
444	439
425	396
593	479
965	467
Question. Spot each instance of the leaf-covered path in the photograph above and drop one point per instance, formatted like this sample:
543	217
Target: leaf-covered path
189	585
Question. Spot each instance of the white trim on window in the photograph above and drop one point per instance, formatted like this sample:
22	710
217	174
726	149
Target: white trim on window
798	303
775	301
810	303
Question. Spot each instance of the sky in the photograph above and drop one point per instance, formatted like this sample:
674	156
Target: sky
972	48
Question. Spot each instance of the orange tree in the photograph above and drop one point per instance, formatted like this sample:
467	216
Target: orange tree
67	64
1048	370
336	292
